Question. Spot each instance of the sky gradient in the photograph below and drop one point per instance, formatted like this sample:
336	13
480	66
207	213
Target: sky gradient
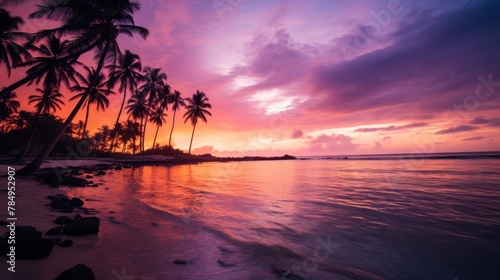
320	77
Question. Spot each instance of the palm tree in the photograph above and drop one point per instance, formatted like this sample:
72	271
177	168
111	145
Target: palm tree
11	53
154	82
137	108
8	104
44	104
79	126
158	118
97	94
95	24
63	73
177	102
196	109
127	73
130	132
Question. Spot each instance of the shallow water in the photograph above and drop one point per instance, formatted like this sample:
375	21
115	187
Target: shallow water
325	219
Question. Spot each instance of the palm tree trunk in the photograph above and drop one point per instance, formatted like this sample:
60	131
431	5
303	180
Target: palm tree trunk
145	124
141	136
39	72
172	130
33	166
86	119
118	118
32	133
156	134
192	134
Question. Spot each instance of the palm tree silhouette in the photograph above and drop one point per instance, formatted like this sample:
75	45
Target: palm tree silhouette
154	82
95	24
127	73
8	104
158	118
130	132
137	108
79	126
177	102
46	104
64	73
11	53
196	109
97	94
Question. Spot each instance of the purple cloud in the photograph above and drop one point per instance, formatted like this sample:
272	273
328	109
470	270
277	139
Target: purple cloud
391	128
473	138
457	129
490	122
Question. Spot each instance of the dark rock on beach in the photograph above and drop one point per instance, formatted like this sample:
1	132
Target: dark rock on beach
82	226
76	202
54	231
62	205
66	243
63	220
29	244
78	272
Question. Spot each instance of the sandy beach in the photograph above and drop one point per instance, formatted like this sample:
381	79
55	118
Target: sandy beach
32	210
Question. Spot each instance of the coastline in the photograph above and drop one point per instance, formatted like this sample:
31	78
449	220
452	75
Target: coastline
32	210
99	252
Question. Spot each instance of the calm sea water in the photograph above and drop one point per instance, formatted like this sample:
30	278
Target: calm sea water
325	219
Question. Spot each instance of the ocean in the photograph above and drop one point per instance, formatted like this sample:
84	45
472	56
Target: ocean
364	217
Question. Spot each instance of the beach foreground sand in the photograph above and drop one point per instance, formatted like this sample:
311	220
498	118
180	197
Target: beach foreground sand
31	210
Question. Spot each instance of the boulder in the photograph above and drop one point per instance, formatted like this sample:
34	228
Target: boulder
54	231
78	272
76	202
62	204
29	244
66	243
63	220
82	226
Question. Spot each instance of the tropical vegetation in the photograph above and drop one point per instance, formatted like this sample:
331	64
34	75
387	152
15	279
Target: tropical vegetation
51	59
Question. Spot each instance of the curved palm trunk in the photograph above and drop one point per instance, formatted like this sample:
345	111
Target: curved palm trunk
33	166
32	133
141	137
156	134
144	132
118	118
172	130
39	72
86	120
192	134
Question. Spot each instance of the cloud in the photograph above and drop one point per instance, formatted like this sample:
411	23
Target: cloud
203	150
387	138
378	146
457	129
392	127
473	138
332	143
297	134
490	122
425	65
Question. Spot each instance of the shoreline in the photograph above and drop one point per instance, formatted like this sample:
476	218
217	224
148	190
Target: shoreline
99	252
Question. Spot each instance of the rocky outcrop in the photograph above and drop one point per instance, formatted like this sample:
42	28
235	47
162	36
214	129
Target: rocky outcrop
78	272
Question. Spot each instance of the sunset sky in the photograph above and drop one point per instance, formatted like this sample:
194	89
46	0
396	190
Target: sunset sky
320	77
